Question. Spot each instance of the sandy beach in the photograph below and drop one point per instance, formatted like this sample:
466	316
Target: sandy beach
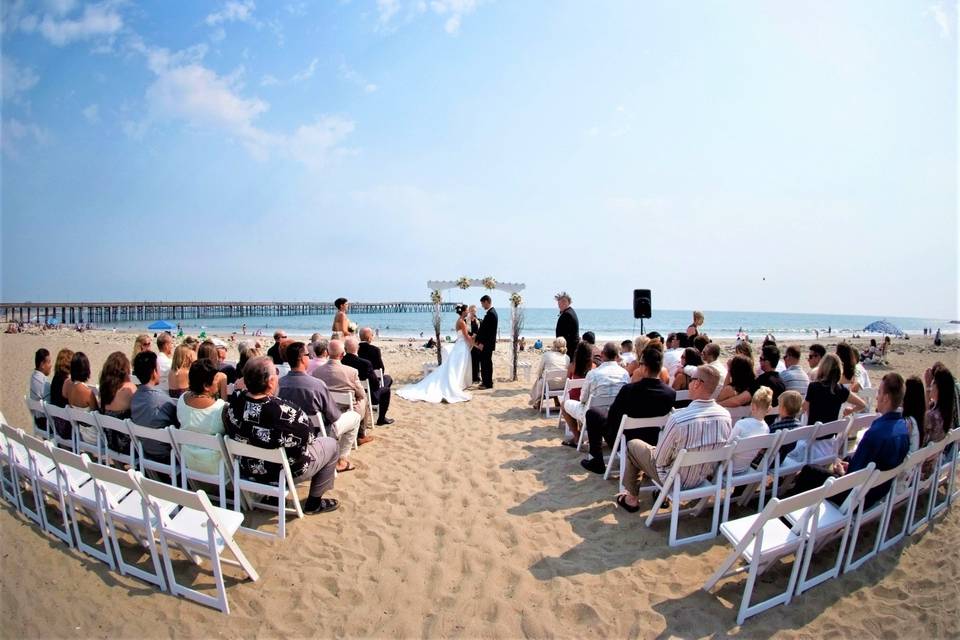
469	521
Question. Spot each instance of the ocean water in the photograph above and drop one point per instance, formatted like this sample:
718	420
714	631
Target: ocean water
607	324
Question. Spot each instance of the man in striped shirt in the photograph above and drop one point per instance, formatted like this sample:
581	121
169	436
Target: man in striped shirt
702	426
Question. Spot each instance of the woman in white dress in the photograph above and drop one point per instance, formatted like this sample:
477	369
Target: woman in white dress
448	381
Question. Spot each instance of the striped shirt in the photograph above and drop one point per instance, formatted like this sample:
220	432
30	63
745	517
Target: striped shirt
795	379
702	426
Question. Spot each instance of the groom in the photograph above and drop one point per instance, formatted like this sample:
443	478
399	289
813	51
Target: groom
486	341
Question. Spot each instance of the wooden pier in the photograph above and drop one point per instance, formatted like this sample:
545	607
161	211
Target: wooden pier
113	312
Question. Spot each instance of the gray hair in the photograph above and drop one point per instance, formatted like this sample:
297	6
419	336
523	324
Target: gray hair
563	295
335	348
257	372
320	347
315	337
352	344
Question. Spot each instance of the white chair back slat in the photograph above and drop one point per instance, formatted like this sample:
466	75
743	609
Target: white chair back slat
283	490
755	476
140	434
619	448
183	439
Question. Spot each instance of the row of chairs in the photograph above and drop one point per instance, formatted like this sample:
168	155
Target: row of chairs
97	435
158	516
802	525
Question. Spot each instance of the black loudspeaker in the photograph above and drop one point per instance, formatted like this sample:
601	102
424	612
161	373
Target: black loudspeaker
642	304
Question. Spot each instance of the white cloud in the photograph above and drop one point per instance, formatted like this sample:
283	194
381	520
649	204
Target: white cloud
60	7
269	81
296	8
97	20
16	80
13	132
386	10
453	11
351	75
939	14
232	11
92	113
307	73
218	34
314	143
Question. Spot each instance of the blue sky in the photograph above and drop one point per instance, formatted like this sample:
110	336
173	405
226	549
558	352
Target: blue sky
728	155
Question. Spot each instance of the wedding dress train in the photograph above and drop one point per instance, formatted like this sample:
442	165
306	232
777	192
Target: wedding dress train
446	382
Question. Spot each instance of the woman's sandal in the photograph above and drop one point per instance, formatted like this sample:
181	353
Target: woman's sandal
622	502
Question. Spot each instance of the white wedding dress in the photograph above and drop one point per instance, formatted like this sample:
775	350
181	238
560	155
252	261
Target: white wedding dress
446	382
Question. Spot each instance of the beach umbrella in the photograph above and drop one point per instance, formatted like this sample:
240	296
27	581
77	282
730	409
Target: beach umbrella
53	321
162	325
882	326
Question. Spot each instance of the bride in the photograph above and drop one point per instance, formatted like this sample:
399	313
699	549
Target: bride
448	381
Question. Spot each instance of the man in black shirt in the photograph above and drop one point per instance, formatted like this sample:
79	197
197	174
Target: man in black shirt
379	395
568	325
274	351
647	398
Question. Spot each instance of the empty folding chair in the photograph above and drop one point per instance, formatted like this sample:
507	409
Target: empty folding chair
707	490
47	481
283	490
130	514
828	522
26	468
554	382
799	438
190	443
926	485
89	438
38	416
199	529
60	426
160	438
753	476
761	541
877	512
82	497
118	445
619	448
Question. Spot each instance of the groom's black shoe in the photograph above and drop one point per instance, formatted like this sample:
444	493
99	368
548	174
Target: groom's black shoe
484	386
594	464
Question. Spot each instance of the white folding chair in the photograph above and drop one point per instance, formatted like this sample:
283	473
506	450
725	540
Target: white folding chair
828	522
869	397
708	489
81	496
945	475
877	512
35	407
569	385
116	432
902	495
762	540
8	477
554	382
682	396
140	434
131	515
582	423
46	481
619	448
825	447
283	490
926	486
182	439
372	409
316	420
26	468
859	423
90	439
199	529
799	438
55	414
739	412
348	400
753	476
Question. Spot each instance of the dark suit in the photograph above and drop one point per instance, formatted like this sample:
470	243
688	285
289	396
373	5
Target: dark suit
380	395
487	336
370	352
475	353
647	398
568	328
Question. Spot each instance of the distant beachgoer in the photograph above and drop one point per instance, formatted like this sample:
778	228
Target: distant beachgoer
243	328
937	340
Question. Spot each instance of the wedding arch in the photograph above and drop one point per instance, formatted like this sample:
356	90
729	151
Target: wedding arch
516	309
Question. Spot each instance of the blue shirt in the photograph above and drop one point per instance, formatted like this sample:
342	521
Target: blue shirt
886	443
151	407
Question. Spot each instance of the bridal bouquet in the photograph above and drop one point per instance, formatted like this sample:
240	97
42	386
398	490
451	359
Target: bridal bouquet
489	283
352	327
464	283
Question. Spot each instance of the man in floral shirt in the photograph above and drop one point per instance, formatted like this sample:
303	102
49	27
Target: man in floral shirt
259	418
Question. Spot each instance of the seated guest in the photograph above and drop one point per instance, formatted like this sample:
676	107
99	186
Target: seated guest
142	343
914	409
814	354
311	395
318	356
577	370
224	367
848	367
208	351
259	418
191	342
591	340
179	377
737	388
370	352
770	377
600	389
700	342
638	346
746	349
753	425
711	356
793	377
77	391
165	349
151	407
274	351
61	373
702	426
39	387
341	378
885	443
379	394
200	410
627	355
941	417
671	357
791	404
826	396
860	373
690	357
648	398
556	358
116	387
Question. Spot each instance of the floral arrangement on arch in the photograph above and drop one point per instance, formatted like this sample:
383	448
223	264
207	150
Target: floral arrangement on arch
516	300
464	282
489	283
435	296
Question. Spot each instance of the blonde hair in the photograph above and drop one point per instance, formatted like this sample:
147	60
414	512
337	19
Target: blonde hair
640	344
791	402
183	357
698	318
763	398
560	345
139	342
